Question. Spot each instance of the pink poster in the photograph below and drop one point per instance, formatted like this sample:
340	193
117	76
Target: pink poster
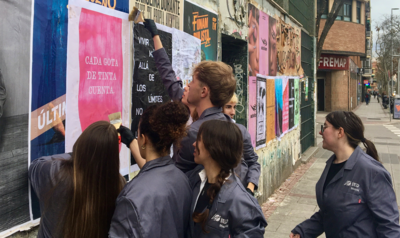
98	81
263	34
100	64
285	109
252	109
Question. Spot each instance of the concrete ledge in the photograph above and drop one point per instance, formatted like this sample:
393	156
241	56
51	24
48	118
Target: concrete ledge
310	152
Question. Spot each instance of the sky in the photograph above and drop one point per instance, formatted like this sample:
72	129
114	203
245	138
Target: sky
380	8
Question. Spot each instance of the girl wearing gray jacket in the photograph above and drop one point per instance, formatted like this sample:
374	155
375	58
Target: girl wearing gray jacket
221	206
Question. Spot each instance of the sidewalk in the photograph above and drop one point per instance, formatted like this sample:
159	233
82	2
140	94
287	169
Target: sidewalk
295	200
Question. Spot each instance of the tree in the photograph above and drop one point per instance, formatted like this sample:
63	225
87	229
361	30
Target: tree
333	13
383	47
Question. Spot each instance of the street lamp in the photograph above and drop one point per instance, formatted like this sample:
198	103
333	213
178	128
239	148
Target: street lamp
391	75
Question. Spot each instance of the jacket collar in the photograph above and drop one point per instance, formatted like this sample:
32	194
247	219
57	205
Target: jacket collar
351	161
159	162
210	111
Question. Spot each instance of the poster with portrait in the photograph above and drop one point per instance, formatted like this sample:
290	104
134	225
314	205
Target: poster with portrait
263	44
273	53
261	112
291	103
252	109
202	24
254	40
285	101
97	70
270	124
278	107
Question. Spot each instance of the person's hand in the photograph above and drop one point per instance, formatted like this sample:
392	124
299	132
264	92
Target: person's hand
150	25
294	235
126	135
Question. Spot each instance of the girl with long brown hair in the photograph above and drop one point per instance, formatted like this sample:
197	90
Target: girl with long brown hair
355	193
156	203
77	191
221	206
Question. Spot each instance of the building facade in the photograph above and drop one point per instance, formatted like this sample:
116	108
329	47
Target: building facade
344	67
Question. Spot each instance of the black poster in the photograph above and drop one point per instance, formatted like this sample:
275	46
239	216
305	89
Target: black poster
147	87
291	103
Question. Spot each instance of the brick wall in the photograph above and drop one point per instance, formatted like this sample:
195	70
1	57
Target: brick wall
344	36
339	90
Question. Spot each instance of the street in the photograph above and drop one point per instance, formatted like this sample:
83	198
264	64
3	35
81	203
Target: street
295	200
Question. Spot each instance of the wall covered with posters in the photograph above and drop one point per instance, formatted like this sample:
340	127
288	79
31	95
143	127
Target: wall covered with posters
266	65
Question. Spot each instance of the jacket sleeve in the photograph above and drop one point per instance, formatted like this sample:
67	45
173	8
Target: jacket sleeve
184	158
251	158
125	221
312	227
381	200
42	172
248	221
164	67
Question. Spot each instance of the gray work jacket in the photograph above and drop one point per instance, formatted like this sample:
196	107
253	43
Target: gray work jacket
234	212
43	177
358	202
248	170
156	203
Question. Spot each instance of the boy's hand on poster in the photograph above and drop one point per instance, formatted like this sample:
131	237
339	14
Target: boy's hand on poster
150	25
126	135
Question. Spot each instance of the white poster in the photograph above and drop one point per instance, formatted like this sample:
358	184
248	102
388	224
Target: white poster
261	112
98	82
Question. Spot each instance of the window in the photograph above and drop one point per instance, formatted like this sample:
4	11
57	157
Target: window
358	12
326	12
345	12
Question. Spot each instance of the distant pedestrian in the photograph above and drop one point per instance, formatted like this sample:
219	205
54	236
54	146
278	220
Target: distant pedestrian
221	206
374	94
355	193
77	191
367	97
156	203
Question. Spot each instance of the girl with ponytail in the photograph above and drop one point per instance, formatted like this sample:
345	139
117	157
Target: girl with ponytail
221	206
355	192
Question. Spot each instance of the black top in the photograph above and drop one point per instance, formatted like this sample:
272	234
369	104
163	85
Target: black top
333	170
203	199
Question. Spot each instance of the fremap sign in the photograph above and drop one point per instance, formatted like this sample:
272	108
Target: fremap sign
334	62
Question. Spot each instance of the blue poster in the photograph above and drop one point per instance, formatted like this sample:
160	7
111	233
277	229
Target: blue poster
278	107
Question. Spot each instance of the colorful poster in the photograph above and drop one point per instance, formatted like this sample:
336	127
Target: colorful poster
202	24
186	54
273	50
147	87
252	109
278	107
98	70
263	44
291	103
296	102
270	109
285	110
253	40
261	112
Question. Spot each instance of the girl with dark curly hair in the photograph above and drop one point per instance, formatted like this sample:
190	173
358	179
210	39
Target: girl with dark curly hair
156	203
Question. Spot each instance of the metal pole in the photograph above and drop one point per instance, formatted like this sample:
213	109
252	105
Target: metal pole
398	78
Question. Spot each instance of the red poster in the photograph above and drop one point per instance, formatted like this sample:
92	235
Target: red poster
100	66
285	109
